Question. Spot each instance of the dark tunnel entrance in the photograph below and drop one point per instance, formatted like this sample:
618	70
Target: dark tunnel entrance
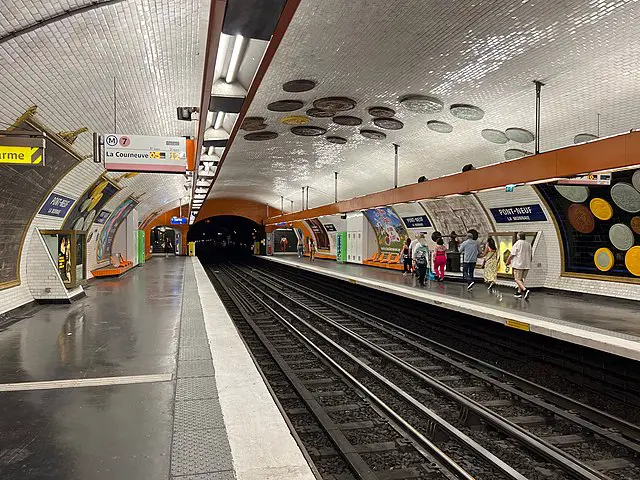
226	237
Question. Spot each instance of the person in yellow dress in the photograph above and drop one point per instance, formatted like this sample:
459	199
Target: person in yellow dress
490	263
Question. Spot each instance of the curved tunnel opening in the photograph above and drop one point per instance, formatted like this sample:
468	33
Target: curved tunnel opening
226	237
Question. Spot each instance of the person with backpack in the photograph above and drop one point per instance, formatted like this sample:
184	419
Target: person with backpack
421	258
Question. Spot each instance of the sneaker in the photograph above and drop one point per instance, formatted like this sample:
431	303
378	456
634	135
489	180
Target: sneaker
470	286
517	295
526	293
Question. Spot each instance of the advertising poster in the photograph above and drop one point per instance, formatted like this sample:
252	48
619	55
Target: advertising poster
88	207
105	241
64	257
319	232
390	230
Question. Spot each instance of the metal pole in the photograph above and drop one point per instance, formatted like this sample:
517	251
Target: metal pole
302	203
291	205
598	126
335	188
307	197
115	108
539	85
281	205
395	171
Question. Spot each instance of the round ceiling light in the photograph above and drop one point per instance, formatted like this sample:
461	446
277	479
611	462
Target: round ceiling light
297	86
388	123
421	103
308	131
381	112
440	127
335	104
294	120
347	120
285	105
515	153
584	137
466	111
494	136
319	113
519	135
373	134
337	140
260	136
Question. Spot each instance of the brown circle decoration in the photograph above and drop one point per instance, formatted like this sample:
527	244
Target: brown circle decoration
319	113
260	136
373	134
308	131
252	121
635	225
254	127
581	218
297	86
381	112
388	123
347	120
337	140
335	104
285	105
421	103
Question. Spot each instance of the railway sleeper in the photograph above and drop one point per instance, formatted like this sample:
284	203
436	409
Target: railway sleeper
611	464
532	420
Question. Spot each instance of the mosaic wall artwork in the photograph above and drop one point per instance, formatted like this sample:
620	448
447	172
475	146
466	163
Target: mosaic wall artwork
390	231
458	214
86	210
599	225
105	241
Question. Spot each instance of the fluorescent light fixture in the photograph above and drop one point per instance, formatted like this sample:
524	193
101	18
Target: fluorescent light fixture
223	46
209	119
234	64
219	120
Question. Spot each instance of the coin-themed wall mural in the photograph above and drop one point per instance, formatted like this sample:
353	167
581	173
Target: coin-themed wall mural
599	225
88	206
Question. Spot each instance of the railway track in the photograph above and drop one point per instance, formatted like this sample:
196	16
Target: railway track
538	433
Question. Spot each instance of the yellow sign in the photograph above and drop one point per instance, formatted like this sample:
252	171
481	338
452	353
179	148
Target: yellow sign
21	155
519	325
192	249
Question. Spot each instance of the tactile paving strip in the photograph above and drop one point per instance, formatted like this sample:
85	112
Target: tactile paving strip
200	451
196	388
228	475
194	353
195	368
198	415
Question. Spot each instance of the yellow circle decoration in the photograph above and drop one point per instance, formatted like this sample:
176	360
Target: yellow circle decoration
601	209
603	258
94	201
130	174
98	190
632	260
295	120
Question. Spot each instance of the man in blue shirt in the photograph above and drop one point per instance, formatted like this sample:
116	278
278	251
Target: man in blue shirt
469	251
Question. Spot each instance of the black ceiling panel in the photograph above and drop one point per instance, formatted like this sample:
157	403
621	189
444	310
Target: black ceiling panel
252	18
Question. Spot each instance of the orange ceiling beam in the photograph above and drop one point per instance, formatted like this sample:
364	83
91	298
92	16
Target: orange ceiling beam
606	154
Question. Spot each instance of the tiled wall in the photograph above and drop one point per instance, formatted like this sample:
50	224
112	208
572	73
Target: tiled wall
43	279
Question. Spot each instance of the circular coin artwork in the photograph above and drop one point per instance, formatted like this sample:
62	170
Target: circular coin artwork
337	140
260	136
519	135
632	260
388	123
373	134
335	104
381	112
601	209
584	137
440	127
621	236
347	120
297	86
573	193
252	124
494	136
635	180
294	120
515	153
604	260
635	224
421	103
285	105
466	111
626	197
319	113
78	224
580	218
89	220
308	131
85	205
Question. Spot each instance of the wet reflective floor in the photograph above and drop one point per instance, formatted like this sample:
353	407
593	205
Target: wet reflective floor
125	326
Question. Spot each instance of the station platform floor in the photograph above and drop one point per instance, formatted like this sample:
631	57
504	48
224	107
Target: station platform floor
144	378
608	324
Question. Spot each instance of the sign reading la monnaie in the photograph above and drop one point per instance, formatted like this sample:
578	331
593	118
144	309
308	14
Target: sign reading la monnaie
523	213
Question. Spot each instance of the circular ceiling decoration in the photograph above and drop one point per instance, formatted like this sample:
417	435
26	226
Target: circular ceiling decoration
337	140
252	121
635	180
381	112
494	136
421	103
373	134
388	123
626	197
260	136
601	209
78	224
254	127
635	224
294	120
515	153
466	111
632	260
285	105
603	258
296	86
581	219
584	137
335	104
621	237
573	193
347	120
519	135
308	131
440	127
319	113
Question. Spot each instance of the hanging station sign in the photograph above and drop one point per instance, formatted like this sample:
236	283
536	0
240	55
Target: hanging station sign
141	153
418	221
178	221
22	147
524	213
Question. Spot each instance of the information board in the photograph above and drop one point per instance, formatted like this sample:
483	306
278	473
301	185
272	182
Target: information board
523	213
56	206
141	153
417	221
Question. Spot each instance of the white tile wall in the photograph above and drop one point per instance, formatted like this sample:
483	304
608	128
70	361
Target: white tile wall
43	279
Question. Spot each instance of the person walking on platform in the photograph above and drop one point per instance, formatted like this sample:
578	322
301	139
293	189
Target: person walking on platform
520	261
167	247
420	240
312	250
490	263
440	259
412	248
421	259
469	251
406	257
300	248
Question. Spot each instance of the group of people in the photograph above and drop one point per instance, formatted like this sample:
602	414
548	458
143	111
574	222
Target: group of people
310	244
415	256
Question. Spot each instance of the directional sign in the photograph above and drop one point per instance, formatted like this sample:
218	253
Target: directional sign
178	221
16	155
139	153
589	179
